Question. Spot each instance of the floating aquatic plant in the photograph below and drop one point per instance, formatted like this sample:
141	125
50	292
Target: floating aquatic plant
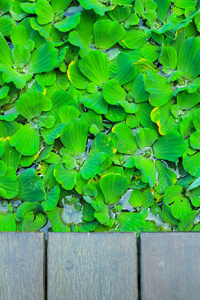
99	115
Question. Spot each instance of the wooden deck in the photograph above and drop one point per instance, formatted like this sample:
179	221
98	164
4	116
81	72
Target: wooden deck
22	271
100	266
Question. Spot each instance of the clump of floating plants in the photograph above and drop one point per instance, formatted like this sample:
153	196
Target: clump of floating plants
99	115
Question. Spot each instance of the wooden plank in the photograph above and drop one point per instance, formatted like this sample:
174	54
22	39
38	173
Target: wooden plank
170	266
22	265
92	266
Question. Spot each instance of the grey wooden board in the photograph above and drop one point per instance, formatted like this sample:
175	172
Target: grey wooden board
92	266
21	266
170	266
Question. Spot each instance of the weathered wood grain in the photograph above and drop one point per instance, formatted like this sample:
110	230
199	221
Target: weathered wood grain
92	266
170	266
22	266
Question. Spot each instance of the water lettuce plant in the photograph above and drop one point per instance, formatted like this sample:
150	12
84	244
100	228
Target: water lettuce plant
100	115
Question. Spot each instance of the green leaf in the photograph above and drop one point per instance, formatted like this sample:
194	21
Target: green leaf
30	186
31	104
126	71
93	119
44	11
5	53
145	137
9	186
32	222
75	76
46	121
66	178
95	66
6	26
68	113
70	162
87	227
5	6
175	75
92	166
11	75
189	58
137	198
124	140
130	221
196	228
59	99
88	212
194	197
163	6
147	168
107	33
77	40
43	59
173	193
191	164
102	212
60	5
20	55
83	36
135	38
27	207
130	162
68	23
98	7
187	222
102	143
57	223
51	200
10	117
46	79
19	35
8	128
119	13
7	222
150	52
27	161
3	168
158	87
4	91
113	92
180	208
168	59
195	140
43	30
186	101
166	215
162	116
132	121
1	148
53	158
10	156
138	90
128	107
166	177
51	134
148	199
185	3
115	113
74	136
26	140
28	7
194	184
113	186
196	119
169	147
